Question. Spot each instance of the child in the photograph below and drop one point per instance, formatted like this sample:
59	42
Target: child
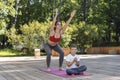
72	62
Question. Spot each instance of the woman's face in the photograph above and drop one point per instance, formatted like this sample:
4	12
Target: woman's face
58	25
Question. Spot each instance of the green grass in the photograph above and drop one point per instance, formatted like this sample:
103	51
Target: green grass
11	53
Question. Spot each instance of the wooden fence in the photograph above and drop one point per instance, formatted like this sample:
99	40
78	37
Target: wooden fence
103	50
66	52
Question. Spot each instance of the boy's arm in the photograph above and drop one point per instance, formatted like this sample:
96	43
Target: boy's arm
77	63
69	63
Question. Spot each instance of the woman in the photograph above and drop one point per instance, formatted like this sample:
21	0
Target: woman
56	31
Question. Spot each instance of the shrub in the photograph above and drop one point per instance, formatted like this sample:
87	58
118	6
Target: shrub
33	34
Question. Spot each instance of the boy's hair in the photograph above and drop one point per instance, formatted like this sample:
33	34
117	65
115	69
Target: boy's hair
73	45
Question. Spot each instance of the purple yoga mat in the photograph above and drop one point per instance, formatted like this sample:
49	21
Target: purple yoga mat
62	73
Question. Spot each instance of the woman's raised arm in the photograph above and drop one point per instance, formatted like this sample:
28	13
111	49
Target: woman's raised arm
69	20
54	20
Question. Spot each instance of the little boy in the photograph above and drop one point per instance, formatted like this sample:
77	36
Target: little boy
72	62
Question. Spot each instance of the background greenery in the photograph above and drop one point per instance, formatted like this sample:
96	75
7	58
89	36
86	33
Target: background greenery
25	23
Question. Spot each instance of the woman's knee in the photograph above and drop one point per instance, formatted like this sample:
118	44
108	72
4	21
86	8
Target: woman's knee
49	54
61	53
47	49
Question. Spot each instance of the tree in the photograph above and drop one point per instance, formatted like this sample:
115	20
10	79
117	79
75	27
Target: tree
6	9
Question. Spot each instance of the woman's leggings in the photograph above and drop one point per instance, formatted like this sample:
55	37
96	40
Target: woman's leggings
76	71
48	48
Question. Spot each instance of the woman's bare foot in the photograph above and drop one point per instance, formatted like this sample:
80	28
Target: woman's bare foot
48	69
61	69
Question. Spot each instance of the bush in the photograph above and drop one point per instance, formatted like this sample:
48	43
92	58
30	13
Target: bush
33	34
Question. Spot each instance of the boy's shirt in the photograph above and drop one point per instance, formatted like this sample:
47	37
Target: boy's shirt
70	58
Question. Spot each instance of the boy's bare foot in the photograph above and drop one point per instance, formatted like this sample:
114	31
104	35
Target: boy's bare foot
83	72
72	75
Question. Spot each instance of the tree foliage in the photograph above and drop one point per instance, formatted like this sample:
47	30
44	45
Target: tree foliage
6	9
95	20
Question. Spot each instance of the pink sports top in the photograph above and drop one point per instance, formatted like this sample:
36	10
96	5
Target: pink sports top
53	39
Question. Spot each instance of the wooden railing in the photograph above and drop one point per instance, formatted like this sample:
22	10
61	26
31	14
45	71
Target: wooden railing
103	50
66	52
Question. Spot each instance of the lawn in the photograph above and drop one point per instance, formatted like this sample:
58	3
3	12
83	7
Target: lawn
11	53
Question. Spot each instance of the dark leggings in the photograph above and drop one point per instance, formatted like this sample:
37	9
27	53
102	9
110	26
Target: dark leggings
48	48
76	71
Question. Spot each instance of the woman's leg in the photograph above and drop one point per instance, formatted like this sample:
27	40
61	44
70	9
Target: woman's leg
58	49
48	50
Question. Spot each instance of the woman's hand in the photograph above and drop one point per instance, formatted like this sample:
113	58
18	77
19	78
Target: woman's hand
56	11
73	13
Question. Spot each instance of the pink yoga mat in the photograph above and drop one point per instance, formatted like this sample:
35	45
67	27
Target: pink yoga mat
62	73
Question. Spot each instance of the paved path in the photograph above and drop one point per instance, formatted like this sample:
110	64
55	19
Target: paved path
102	67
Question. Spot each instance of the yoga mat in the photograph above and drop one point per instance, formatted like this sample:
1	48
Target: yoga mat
62	73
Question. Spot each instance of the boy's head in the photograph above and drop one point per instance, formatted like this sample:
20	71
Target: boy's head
73	49
73	46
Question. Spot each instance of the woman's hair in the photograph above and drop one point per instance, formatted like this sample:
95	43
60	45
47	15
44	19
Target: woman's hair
57	22
54	28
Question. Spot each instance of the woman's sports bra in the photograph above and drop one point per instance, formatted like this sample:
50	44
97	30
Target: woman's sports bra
53	39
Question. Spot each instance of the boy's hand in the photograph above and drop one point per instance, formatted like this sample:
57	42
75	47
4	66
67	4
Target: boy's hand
75	59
